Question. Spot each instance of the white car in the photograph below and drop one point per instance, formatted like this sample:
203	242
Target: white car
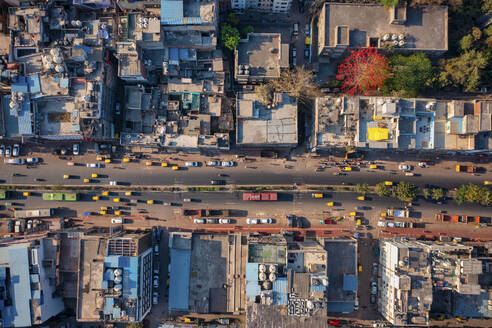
94	165
404	167
187	200
8	151
213	163
113	183
32	160
166	204
224	221
154	300
76	149
15	161
252	221
199	221
2	150
423	165
374	288
117	220
381	224
228	163
16	150
192	164
266	221
213	221
156	282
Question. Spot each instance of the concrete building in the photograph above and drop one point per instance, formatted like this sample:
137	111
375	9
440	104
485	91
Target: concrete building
397	123
344	26
260	58
29	290
419	277
274	6
266	126
115	277
207	273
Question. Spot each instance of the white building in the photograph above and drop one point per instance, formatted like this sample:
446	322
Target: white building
275	6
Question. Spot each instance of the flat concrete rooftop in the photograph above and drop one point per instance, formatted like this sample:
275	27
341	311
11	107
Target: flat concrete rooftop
262	53
426	27
261	126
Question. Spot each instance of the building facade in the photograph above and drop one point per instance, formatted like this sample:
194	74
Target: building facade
274	6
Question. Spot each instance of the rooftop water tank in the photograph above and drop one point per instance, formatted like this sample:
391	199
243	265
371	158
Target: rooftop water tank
117	272
262	276
272	268
272	277
262	268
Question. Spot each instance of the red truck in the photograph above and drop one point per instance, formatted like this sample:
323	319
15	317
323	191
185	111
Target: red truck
260	196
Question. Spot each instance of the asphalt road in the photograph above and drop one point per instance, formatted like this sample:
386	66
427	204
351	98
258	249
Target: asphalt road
268	172
301	204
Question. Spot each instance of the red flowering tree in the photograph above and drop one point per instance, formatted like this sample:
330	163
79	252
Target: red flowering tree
363	72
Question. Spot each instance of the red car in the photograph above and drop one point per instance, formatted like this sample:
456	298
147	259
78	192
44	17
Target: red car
326	221
333	322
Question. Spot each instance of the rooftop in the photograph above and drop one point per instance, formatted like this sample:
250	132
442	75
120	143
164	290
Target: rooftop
260	55
260	126
425	28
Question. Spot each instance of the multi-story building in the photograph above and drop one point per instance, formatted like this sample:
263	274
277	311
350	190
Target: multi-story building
419	277
115	277
398	124
275	6
29	293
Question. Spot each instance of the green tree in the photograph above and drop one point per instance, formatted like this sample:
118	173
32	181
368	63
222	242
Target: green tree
409	75
233	19
426	192
465	71
473	193
486	196
438	194
245	31
389	3
383	190
406	191
230	36
476	33
264	92
362	188
466	42
461	194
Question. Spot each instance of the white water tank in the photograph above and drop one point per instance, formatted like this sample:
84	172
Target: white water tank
325	282
272	268
117	272
309	305
267	284
262	268
118	288
401	43
59	68
118	279
262	276
272	277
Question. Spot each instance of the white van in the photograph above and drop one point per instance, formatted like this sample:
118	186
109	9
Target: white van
117	220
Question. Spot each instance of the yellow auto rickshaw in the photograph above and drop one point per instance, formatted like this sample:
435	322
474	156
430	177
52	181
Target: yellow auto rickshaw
94	175
116	200
126	160
330	204
388	183
86	180
361	198
347	168
150	201
175	168
128	193
95	197
105	193
164	164
25	193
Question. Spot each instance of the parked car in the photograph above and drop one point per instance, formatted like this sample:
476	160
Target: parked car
94	165
374	288
294	52
156	249
16	150
295	30
113	183
192	164
156	282
187	200
199	221
224	221
8	151
2	150
266	221
373	299
326	221
404	167
307	52
228	163
251	221
217	182
76	149
32	160
423	165
117	108
308	30
375	268
213	221
154	300
117	220
15	161
167	204
291	220
213	163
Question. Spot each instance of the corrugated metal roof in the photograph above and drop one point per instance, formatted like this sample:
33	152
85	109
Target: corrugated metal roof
17	260
350	283
171	12
279	288
24	119
343	307
179	284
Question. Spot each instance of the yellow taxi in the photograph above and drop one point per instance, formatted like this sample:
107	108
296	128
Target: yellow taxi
107	160
86	180
164	164
94	175
175	168
373	166
95	197
317	195
361	198
347	168
66	176
26	193
150	201
116	200
128	193
330	204
388	183
126	160
117	212
105	193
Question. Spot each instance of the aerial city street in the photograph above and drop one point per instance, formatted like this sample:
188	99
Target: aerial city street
240	163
